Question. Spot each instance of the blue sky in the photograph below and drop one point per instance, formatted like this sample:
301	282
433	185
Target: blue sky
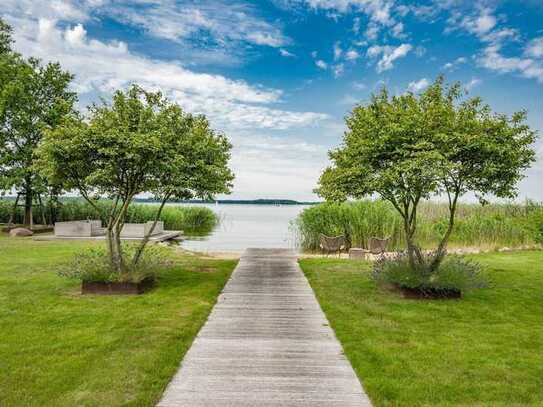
278	76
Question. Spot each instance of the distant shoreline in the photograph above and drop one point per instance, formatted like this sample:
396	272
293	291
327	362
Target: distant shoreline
200	201
237	202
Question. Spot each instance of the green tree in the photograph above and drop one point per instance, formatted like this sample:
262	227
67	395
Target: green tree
5	37
33	99
138	143
411	147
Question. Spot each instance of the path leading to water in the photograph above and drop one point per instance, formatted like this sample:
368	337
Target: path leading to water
266	343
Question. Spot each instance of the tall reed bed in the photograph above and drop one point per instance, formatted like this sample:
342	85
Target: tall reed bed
489	226
196	220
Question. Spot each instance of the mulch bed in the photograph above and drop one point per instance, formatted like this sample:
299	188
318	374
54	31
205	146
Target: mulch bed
116	288
429	293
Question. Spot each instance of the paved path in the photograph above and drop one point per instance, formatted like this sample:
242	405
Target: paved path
266	343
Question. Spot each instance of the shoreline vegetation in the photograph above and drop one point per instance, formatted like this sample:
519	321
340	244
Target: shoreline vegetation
488	227
264	201
191	220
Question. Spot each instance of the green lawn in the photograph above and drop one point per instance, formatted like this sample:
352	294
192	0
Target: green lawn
483	350
58	348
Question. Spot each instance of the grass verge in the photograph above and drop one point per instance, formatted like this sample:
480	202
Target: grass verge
483	350
58	348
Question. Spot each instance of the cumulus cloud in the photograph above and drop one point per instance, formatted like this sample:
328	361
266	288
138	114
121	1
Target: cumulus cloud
493	59
352	55
480	24
228	27
450	66
101	67
417	86
321	64
388	55
534	48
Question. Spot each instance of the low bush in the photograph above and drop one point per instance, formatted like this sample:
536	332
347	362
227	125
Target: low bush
455	273
93	265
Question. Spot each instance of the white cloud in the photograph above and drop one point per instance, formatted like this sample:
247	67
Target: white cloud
450	66
352	55
101	67
397	30
359	85
535	48
356	25
51	9
229	28
321	64
372	31
482	24
224	20
417	86
282	167
492	59
338	70
479	23
349	100
472	84
337	51
380	13
388	54
285	53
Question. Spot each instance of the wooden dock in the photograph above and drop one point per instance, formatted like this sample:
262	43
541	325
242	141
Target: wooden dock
266	343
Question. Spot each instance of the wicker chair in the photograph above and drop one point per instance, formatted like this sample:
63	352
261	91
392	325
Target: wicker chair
378	246
332	244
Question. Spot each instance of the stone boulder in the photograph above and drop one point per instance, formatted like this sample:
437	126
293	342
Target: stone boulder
20	232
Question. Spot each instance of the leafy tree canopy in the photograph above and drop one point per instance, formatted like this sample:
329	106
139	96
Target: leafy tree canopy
411	147
140	142
33	99
5	37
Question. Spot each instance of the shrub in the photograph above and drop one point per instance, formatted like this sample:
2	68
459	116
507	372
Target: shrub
93	265
456	273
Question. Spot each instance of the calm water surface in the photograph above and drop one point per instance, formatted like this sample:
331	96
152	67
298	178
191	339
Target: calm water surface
244	226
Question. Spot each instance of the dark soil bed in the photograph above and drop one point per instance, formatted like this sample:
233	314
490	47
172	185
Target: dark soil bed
429	293
112	288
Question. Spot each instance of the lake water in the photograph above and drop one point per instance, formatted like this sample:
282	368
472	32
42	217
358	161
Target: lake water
244	226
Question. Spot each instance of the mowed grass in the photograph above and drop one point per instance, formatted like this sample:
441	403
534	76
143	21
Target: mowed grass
59	348
483	350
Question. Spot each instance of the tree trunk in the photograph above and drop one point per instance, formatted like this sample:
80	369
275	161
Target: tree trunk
141	247
410	243
13	215
114	228
442	248
42	210
28	220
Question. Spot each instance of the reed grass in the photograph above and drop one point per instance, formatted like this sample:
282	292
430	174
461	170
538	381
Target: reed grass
196	220
491	226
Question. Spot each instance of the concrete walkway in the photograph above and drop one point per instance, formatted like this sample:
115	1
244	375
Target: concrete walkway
266	343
